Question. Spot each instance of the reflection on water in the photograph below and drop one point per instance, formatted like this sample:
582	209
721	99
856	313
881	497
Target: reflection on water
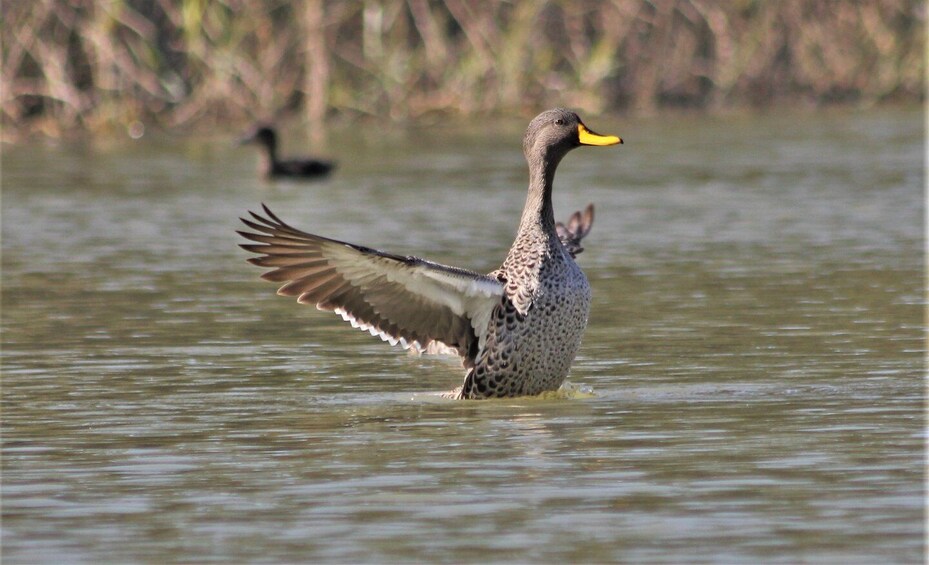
755	355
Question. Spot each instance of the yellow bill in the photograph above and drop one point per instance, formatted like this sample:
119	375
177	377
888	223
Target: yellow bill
588	137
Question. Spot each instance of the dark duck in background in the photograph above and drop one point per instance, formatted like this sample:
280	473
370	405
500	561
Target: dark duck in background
271	166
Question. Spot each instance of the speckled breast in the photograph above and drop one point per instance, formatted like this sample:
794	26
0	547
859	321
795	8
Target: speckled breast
527	354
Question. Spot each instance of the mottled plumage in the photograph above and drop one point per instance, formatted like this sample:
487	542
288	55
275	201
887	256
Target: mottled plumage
517	329
271	166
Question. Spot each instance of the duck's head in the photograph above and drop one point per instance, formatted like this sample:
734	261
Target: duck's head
554	132
262	134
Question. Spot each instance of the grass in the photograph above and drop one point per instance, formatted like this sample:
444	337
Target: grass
90	65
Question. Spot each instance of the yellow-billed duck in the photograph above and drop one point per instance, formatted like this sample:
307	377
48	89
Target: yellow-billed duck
271	166
516	329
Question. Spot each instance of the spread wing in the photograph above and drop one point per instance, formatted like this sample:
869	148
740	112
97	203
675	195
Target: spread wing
577	229
404	300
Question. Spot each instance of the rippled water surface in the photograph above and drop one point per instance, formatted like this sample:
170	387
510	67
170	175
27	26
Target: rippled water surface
751	382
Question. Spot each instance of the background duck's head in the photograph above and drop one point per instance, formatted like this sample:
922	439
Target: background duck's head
554	132
262	134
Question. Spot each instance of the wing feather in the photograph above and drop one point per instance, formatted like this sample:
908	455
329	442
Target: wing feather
288	260
577	228
403	300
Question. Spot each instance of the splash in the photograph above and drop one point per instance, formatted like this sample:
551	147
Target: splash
570	391
567	391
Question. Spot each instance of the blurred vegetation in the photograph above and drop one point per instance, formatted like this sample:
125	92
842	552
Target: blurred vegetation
73	64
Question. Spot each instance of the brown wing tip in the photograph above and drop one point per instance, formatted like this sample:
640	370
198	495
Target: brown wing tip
587	221
249	246
271	214
574	222
283	291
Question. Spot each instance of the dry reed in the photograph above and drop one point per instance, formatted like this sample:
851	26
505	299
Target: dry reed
70	64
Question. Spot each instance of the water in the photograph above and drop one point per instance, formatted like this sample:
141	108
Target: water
751	383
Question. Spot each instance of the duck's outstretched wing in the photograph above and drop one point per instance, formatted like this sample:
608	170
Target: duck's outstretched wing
403	300
577	228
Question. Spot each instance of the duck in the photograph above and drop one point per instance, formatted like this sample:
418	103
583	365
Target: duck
270	166
517	329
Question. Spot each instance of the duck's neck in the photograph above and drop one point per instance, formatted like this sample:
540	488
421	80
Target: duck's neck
268	157
538	214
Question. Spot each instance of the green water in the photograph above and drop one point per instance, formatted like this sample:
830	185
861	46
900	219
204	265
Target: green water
754	360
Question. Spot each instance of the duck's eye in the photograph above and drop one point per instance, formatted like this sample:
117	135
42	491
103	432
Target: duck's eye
559	122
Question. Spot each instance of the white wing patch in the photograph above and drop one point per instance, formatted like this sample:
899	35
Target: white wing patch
434	347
